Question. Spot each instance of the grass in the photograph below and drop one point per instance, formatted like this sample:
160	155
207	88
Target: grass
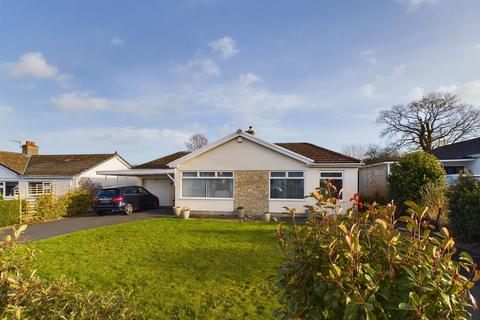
177	269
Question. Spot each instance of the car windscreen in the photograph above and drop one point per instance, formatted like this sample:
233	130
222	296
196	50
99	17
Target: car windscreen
107	193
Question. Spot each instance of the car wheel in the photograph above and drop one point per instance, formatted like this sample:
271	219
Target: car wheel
128	208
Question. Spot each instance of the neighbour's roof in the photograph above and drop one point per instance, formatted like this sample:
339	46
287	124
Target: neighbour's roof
459	150
162	163
316	153
14	161
65	165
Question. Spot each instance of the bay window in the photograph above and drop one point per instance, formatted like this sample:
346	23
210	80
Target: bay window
287	185
335	178
207	184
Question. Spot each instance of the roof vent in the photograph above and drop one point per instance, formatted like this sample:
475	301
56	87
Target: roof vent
250	131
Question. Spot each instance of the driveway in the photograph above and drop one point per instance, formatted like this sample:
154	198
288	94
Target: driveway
46	230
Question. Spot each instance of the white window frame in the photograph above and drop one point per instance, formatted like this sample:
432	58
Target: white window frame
215	177
286	177
47	188
3	185
333	178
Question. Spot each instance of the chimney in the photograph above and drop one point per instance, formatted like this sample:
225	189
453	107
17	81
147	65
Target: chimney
250	131
30	148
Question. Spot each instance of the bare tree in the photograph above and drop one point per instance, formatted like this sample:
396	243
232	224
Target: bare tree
376	153
196	141
354	150
433	121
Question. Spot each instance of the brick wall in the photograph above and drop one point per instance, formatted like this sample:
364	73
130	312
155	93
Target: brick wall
252	190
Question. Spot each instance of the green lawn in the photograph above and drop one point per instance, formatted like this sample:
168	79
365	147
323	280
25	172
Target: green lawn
178	269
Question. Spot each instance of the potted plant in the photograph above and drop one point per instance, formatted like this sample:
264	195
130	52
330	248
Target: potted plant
185	213
177	211
241	212
266	216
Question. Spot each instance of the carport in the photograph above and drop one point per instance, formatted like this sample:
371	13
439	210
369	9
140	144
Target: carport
160	182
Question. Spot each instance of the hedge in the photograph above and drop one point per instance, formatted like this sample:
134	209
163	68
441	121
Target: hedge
9	212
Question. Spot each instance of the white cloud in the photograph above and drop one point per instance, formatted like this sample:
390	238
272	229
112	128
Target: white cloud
468	92
200	68
247	79
122	135
79	101
413	5
368	55
5	109
33	64
477	46
225	46
415	93
116	41
369	90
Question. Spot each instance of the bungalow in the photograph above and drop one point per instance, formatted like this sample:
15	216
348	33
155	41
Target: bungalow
29	174
243	170
459	156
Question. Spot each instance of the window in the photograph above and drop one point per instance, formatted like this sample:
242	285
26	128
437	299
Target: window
39	188
287	185
8	188
336	179
207	184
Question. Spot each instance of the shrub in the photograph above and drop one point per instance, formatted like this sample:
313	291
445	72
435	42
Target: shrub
434	196
360	266
464	205
78	201
49	207
23	295
412	172
9	212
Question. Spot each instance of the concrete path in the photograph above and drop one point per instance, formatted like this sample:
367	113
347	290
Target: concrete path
46	230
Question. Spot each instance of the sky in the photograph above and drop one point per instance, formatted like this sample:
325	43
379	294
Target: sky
139	77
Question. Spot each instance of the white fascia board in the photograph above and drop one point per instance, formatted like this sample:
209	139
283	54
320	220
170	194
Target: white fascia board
244	135
135	172
458	160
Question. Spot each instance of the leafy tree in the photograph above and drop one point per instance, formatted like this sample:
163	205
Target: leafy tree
464	204
411	174
196	141
433	121
360	266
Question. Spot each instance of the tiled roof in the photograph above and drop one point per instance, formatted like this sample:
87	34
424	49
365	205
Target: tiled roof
161	163
459	150
316	153
65	165
14	161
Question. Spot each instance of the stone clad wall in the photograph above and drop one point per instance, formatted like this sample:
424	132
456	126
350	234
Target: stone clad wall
251	190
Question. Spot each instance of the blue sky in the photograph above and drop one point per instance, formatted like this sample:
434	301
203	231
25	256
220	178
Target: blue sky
140	76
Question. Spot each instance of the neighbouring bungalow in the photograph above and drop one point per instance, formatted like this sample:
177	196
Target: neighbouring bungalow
29	174
243	170
464	155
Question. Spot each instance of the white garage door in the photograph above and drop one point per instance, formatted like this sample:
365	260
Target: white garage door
162	188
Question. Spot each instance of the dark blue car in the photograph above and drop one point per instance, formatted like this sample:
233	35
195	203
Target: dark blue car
123	199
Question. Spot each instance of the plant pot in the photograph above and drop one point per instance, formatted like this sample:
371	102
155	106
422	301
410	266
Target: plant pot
240	213
266	217
185	214
177	211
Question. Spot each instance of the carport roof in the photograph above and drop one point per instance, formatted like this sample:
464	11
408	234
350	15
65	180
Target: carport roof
136	172
162	163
